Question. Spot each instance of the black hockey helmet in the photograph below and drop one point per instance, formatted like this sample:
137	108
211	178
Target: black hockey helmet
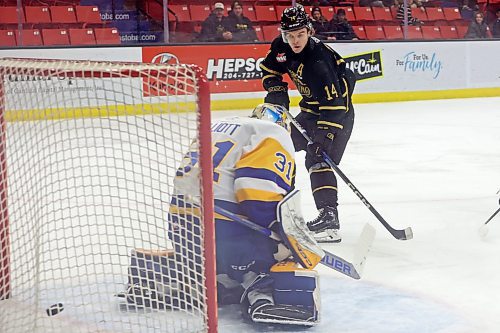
294	18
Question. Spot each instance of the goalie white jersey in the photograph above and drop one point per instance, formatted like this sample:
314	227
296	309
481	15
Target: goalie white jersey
253	170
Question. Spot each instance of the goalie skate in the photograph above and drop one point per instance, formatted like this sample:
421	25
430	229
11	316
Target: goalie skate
326	226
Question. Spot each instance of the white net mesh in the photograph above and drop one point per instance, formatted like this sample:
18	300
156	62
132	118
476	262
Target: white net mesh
89	151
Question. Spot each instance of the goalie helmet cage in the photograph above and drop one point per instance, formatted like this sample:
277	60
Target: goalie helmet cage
88	154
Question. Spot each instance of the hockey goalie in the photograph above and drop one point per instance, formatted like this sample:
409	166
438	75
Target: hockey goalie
254	169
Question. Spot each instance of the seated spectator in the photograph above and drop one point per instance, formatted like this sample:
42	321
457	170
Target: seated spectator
478	27
213	29
341	28
239	25
400	15
321	25
467	8
496	25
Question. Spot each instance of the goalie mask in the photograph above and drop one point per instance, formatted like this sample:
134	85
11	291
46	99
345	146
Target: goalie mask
271	112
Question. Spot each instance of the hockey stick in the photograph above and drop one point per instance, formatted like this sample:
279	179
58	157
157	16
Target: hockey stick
404	234
330	260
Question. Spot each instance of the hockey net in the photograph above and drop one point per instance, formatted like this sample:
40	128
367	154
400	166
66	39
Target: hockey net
88	154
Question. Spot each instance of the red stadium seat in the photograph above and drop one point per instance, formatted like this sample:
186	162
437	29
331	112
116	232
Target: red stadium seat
449	32
270	32
9	15
182	12
281	8
259	32
382	14
374	32
265	14
37	14
249	12
29	37
414	32
88	14
393	32
55	37
82	37
419	13
62	14
7	38
452	14
363	14
360	31
461	30
199	13
435	14
431	33
107	36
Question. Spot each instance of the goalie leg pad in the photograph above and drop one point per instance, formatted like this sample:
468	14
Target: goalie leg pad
297	287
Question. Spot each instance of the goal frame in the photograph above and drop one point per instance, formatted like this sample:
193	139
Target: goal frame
205	159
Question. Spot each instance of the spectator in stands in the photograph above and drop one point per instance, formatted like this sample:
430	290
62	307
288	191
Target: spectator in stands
496	25
239	25
213	29
400	15
478	28
467	8
341	27
321	25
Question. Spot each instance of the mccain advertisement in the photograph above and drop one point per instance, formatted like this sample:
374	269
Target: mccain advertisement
235	68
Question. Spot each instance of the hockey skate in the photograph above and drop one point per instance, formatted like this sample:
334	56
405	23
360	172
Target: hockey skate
326	226
264	311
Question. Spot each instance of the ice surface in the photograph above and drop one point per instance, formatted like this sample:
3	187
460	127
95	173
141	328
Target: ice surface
434	166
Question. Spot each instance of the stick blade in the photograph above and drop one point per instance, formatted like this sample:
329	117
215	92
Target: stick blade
363	246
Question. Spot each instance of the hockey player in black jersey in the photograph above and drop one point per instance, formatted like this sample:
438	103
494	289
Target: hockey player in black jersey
327	113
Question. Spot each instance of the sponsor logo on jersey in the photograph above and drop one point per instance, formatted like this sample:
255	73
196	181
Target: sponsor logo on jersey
366	65
234	68
281	57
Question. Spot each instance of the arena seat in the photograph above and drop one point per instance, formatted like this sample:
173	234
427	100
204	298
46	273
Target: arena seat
374	32
435	14
363	15
88	14
259	32
265	14
62	14
461	30
449	32
419	13
182	12
107	36
414	32
382	14
9	15
431	33
199	13
249	12
29	37
82	36
37	14
452	14
55	37
349	13
270	32
7	38
393	32
360	31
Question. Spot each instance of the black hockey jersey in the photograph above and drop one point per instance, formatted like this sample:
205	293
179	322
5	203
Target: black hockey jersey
320	75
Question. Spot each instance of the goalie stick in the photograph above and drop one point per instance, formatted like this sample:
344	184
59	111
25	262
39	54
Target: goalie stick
330	260
403	234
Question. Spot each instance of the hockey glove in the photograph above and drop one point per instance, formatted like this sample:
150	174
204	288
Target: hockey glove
322	141
278	94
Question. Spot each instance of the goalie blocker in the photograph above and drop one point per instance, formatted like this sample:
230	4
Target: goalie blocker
287	294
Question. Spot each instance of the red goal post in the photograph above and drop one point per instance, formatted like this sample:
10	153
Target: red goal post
88	153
